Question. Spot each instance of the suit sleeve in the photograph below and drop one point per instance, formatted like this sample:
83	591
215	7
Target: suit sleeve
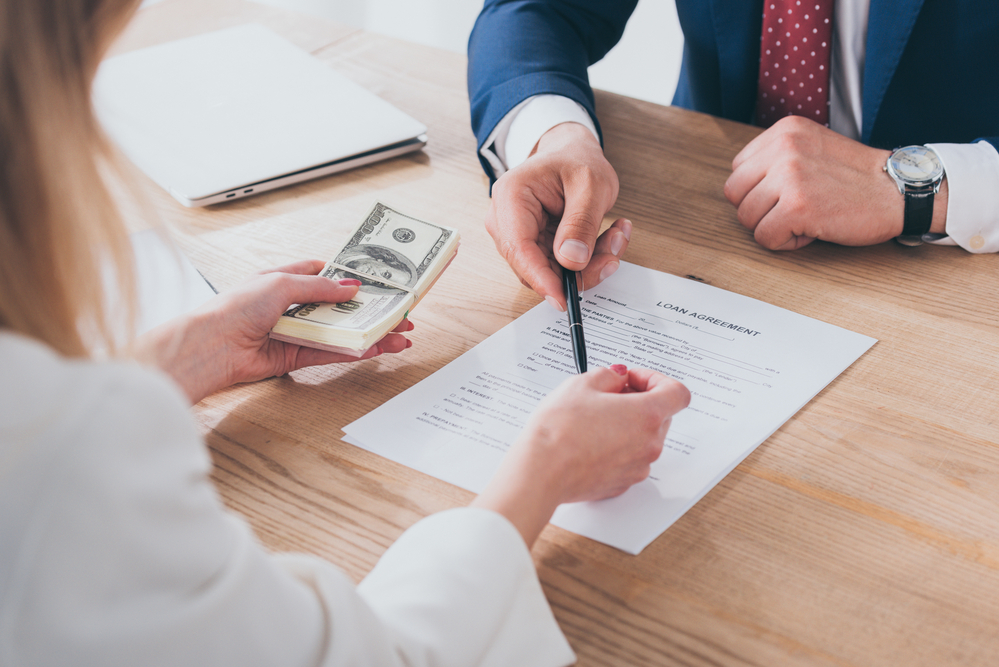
521	48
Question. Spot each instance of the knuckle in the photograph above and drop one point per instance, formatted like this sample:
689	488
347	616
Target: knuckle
682	393
651	421
492	222
744	217
766	238
787	143
583	179
276	280
641	474
728	190
506	247
518	257
616	491
793	124
599	183
579	224
793	201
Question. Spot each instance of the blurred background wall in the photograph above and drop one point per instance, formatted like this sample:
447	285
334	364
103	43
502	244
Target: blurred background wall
645	64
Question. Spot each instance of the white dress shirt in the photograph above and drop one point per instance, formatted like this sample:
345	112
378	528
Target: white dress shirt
117	551
972	169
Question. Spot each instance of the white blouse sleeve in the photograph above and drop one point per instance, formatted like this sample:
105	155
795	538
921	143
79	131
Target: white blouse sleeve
127	557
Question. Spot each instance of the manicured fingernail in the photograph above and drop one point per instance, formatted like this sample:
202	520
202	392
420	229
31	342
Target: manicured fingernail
409	343
350	282
620	369
617	243
609	270
411	326
554	304
378	350
626	228
574	251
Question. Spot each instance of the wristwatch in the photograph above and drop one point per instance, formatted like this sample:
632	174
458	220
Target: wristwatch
918	173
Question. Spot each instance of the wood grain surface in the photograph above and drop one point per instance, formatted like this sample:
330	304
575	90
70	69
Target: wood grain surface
864	532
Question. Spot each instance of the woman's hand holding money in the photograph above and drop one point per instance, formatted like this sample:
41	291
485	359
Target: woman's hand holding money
227	340
594	437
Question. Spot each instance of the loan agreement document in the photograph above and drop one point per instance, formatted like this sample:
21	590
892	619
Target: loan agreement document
749	367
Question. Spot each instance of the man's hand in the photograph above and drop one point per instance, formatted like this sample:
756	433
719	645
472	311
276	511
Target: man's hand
546	213
800	181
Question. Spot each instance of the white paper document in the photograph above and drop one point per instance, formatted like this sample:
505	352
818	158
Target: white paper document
749	367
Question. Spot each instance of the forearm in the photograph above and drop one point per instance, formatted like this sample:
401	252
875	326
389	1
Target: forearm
188	349
524	493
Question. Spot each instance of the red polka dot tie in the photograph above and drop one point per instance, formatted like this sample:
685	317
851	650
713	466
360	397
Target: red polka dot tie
794	61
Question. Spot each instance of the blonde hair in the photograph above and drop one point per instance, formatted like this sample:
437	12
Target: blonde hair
63	247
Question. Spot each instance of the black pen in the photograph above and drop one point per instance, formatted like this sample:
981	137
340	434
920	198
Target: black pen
575	318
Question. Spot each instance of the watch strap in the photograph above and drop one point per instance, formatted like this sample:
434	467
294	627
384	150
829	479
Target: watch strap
918	211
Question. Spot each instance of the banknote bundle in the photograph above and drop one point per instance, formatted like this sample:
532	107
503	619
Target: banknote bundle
397	258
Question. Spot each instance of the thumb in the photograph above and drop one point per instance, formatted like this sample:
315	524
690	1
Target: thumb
664	394
311	289
578	228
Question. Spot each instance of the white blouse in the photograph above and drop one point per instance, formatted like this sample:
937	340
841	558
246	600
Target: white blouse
115	550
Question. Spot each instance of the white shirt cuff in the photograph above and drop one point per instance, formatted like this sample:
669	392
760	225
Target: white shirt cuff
494	148
973	195
514	137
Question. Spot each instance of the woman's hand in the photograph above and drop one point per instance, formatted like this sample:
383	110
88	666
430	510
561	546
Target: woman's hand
227	340
592	438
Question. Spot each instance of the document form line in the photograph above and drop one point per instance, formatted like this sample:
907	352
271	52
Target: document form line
516	398
699	347
652	341
707	368
613	312
518	377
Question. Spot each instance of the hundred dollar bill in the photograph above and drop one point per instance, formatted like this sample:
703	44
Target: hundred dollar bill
397	258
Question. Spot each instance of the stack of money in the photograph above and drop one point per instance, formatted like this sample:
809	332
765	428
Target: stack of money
397	259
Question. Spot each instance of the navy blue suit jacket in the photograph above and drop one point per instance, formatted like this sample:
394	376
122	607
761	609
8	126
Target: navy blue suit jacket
931	72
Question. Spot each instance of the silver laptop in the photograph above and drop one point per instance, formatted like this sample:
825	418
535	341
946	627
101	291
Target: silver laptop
233	113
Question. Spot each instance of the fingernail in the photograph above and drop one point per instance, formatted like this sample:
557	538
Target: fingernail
608	270
411	326
617	243
620	369
350	282
626	228
554	304
378	350
574	251
409	343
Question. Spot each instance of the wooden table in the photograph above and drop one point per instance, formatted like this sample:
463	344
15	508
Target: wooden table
864	532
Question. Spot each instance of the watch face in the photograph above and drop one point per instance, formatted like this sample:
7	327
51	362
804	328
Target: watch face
916	165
